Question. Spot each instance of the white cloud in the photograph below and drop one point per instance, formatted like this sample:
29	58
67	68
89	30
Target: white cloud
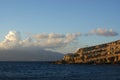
53	40
103	32
11	40
71	37
48	41
43	41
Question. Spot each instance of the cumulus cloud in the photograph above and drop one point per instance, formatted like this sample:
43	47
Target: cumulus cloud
103	32
48	41
43	41
12	39
53	40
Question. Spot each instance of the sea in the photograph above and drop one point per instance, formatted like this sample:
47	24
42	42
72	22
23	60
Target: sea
50	71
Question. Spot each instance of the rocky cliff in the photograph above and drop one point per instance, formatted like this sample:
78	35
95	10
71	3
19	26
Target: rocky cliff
108	53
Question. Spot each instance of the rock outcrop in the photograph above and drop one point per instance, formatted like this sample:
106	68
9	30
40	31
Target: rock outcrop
108	53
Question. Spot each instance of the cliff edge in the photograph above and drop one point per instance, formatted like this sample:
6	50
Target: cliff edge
108	53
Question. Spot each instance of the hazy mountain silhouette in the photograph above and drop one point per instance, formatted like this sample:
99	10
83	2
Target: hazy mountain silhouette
29	55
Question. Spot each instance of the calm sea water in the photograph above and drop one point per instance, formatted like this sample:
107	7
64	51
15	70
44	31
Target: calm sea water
47	71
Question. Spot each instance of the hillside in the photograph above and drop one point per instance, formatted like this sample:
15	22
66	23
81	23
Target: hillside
108	53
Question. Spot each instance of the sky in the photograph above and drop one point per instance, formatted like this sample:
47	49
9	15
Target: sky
58	25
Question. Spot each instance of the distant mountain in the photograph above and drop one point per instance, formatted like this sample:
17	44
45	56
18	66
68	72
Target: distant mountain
29	55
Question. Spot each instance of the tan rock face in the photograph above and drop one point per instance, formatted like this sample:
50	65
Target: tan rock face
104	53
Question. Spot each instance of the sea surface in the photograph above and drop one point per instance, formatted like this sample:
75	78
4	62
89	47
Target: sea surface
48	71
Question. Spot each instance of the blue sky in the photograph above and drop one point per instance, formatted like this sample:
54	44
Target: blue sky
61	16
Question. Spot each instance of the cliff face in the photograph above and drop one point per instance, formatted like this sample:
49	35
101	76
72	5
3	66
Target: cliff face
100	54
